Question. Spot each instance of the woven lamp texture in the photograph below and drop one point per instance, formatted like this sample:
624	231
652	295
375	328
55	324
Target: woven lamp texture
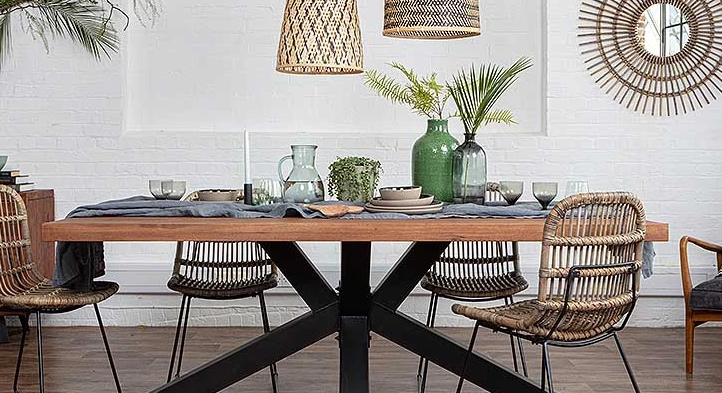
431	19
320	37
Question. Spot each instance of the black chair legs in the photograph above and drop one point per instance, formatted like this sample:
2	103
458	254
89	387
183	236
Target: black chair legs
107	349
180	335
39	329
466	358
26	328
546	372
626	363
266	329
423	370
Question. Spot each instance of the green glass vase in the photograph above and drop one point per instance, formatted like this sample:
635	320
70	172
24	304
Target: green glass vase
432	160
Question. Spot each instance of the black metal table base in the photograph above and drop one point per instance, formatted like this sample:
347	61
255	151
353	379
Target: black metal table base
354	312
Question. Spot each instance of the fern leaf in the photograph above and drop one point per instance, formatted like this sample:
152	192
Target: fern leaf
387	87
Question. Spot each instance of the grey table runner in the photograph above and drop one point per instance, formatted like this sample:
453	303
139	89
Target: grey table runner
75	260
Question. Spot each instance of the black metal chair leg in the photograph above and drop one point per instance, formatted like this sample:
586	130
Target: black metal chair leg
508	300
41	376
24	322
421	358
175	340
522	357
432	320
107	349
266	329
466	358
626	363
547	362
183	337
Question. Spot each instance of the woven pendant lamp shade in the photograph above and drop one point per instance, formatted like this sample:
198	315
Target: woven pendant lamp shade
320	37
431	19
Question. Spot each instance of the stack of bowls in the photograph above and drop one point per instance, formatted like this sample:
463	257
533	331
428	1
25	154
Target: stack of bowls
408	200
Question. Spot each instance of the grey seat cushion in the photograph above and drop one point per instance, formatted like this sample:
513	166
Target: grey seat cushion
707	295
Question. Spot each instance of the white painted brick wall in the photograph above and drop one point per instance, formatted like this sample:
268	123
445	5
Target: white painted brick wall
61	120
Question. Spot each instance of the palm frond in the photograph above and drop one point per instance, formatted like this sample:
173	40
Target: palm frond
387	87
5	29
500	116
476	92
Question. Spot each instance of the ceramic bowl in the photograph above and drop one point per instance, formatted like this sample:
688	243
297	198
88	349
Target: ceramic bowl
167	189
400	193
3	161
219	195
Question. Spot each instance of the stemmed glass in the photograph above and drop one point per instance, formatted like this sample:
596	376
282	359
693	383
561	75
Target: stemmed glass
511	191
544	192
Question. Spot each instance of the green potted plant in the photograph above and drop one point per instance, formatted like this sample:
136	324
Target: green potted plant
354	179
432	154
86	22
475	94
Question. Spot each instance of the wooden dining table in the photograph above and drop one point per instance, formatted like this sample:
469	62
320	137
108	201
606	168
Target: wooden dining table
353	310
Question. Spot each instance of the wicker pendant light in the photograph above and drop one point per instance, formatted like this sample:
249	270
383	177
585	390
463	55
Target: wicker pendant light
320	37
431	19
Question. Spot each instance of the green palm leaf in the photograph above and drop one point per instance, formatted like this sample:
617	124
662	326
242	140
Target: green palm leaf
476	92
500	116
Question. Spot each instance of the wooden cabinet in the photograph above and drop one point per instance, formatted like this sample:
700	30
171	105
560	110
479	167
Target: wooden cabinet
41	209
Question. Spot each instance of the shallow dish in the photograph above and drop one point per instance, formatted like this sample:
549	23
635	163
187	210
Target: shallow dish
425	200
219	195
392	209
398	193
418	210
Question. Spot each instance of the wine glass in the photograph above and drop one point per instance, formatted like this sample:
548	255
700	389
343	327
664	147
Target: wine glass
577	187
511	191
544	192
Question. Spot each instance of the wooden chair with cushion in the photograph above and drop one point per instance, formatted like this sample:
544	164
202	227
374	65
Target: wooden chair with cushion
475	272
24	289
588	279
219	271
703	303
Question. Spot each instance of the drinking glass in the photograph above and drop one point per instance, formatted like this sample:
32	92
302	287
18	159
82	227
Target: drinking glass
267	191
511	191
544	192
577	187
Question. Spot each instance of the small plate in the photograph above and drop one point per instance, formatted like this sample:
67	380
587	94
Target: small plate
423	201
435	208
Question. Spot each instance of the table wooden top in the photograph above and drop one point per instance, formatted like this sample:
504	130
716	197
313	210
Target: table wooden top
149	229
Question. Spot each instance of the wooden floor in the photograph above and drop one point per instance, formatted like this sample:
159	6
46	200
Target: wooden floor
75	362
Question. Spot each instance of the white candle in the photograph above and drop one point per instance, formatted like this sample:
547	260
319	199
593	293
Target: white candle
247	156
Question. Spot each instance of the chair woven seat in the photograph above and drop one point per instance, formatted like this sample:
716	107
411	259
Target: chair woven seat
45	297
537	319
475	287
222	290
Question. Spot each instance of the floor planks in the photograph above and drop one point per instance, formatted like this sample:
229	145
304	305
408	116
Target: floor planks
75	362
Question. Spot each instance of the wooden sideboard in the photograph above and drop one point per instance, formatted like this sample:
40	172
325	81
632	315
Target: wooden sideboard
41	208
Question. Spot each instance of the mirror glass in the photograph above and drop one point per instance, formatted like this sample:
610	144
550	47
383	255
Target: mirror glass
663	30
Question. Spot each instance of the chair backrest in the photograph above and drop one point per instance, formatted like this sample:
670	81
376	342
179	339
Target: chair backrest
221	261
598	239
479	259
18	272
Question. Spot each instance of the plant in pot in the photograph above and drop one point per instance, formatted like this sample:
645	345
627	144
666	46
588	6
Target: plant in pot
354	179
475	94
432	154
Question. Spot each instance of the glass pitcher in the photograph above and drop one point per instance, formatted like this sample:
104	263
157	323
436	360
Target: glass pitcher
303	184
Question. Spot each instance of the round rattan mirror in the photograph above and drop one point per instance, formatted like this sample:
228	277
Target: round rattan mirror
662	57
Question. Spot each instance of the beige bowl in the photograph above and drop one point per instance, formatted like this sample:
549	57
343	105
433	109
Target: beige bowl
218	195
400	193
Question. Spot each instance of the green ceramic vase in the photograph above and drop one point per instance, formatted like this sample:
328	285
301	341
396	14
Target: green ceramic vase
432	160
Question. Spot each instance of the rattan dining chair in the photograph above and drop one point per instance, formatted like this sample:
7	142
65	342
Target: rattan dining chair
475	272
24	289
702	303
588	279
219	271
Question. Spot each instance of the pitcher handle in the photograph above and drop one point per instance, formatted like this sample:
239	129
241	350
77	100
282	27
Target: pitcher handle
280	167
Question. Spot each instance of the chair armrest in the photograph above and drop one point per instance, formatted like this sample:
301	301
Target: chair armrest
684	260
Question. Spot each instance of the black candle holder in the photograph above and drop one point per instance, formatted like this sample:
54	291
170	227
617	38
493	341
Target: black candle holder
248	194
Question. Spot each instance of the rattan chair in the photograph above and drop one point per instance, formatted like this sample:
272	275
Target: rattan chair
588	279
475	272
24	289
219	271
703	303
